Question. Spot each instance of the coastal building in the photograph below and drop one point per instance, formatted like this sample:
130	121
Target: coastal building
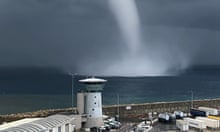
89	107
89	102
54	123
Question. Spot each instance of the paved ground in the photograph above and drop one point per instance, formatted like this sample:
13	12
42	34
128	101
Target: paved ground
160	127
129	127
172	128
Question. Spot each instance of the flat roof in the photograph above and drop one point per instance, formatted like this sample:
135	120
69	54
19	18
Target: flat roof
17	123
36	124
93	80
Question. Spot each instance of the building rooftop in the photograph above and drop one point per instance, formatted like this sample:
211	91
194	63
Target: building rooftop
36	124
93	80
17	123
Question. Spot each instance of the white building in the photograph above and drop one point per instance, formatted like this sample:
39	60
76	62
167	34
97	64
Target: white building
89	106
55	123
182	125
89	102
195	123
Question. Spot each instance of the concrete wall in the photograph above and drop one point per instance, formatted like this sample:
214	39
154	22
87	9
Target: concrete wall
77	122
142	109
80	103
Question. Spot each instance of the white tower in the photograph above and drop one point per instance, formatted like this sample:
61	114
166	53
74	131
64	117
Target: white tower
93	101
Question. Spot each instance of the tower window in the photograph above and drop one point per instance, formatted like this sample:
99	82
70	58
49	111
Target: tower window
95	103
93	109
94	96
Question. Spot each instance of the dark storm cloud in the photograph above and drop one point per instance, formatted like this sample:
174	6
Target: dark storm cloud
191	27
82	35
56	33
188	13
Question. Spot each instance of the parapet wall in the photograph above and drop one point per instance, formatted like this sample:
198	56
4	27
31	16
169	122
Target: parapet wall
136	110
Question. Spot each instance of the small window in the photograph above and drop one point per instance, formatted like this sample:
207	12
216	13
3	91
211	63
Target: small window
94	102
59	129
90	115
93	109
94	96
66	127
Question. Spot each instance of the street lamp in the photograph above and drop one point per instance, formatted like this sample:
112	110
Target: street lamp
72	85
118	110
191	99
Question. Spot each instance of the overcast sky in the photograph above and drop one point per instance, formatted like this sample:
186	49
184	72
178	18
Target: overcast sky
83	36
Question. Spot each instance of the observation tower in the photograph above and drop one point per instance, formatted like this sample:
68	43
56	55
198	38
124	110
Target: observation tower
89	101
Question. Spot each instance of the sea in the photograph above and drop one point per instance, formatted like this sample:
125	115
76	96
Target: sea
36	90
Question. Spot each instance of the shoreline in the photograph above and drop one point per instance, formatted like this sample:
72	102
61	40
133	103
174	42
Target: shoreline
134	111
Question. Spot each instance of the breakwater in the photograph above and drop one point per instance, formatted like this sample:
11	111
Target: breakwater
140	111
127	111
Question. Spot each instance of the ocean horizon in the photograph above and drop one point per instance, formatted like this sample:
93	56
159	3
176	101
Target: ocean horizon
51	90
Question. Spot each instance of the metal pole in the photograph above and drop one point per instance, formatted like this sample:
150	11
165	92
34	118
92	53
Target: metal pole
118	105
118	110
72	85
191	99
72	89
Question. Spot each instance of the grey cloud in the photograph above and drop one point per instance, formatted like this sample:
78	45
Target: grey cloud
189	13
82	36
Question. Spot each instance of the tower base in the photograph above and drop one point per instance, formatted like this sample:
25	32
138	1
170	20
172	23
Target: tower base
93	122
